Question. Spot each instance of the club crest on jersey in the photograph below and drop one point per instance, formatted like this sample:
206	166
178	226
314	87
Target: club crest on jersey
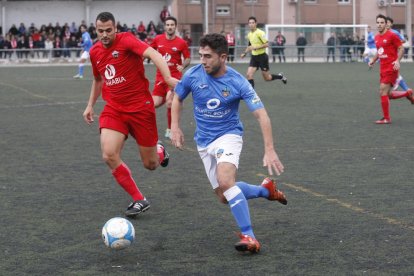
384	41
115	54
225	92
174	49
219	153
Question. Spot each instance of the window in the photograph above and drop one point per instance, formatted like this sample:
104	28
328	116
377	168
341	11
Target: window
250	1
193	1
310	1
223	10
344	1
399	2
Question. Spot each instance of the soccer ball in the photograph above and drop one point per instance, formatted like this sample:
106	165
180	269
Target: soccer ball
118	233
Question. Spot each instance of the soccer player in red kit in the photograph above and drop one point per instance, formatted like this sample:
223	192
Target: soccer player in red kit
390	51
174	49
119	75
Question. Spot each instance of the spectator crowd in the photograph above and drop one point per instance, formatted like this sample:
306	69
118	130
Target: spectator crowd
56	41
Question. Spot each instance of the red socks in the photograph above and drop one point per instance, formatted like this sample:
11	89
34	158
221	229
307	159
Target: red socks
124	178
169	117
398	94
385	104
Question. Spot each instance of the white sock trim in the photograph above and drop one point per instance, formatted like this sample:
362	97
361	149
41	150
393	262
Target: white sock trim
231	193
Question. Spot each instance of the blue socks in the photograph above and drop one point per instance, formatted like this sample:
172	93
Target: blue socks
252	191
240	209
81	69
403	85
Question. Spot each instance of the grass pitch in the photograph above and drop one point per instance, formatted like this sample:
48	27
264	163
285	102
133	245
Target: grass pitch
348	182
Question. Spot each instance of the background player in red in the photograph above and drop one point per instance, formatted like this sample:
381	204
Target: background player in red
390	51
119	74
174	49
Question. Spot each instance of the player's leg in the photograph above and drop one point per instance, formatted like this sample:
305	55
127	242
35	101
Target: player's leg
267	76
407	93
84	57
250	74
268	189
113	135
169	99
385	91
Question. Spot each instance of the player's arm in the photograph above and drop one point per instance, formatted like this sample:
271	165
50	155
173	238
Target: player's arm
270	158
96	91
161	65
373	60
185	64
248	49
177	136
400	55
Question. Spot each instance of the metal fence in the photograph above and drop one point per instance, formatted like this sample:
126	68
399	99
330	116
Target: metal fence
311	54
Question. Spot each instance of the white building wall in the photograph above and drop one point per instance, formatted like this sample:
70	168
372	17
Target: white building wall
45	12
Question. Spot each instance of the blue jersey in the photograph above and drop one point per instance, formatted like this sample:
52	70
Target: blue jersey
371	41
216	102
86	42
399	35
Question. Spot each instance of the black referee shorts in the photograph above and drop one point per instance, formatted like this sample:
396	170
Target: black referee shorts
260	61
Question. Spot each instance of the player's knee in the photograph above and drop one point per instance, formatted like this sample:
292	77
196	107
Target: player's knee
151	164
110	158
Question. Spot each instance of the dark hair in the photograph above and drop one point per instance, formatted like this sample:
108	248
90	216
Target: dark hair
171	18
217	42
252	18
390	19
105	16
382	16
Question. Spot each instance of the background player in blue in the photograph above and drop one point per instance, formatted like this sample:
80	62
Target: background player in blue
217	91
370	47
86	45
400	81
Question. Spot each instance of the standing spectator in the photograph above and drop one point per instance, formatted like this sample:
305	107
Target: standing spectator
301	42
412	44
73	44
48	47
280	41
275	50
32	28
40	46
31	46
1	45
231	41
65	46
406	46
73	28
342	47
141	31
50	29
22	29
58	30
13	44
259	59
57	47
331	43
13	30
7	47
164	14
151	26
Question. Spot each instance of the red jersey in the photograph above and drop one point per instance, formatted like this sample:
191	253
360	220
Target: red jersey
126	88
387	48
171	50
231	41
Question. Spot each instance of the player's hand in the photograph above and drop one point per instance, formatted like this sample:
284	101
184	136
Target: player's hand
272	162
180	68
243	55
371	64
396	65
88	115
177	138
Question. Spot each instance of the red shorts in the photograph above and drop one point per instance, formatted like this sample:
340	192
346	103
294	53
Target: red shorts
141	125
389	77
161	88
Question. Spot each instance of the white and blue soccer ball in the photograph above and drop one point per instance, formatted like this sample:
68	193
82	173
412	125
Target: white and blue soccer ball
118	233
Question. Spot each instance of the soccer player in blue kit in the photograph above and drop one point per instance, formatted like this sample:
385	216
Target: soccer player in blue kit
86	45
217	90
